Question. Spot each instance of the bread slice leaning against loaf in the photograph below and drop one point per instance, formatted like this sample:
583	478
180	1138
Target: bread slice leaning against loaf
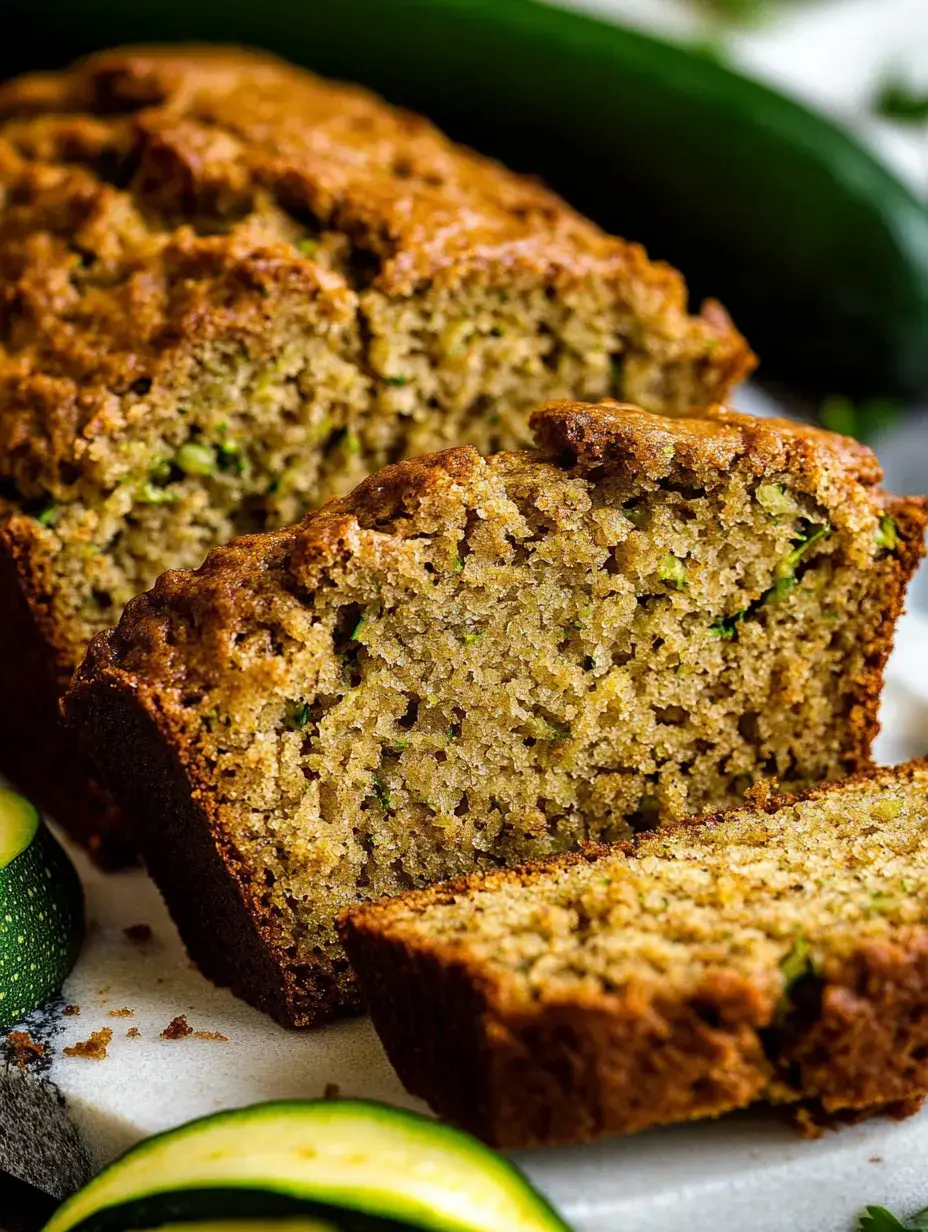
776	952
479	661
231	290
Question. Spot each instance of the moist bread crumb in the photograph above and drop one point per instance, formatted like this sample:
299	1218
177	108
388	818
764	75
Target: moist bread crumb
93	1049
775	954
231	290
476	662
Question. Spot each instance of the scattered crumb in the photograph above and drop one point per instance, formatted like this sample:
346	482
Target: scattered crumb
101	992
332	1091
875	1159
93	1049
71	1011
25	1049
123	1013
133	1033
177	1028
139	933
211	1035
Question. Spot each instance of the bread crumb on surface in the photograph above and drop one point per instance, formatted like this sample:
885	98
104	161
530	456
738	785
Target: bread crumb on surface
177	1028
93	1049
123	1013
71	1011
133	1033
25	1048
211	1035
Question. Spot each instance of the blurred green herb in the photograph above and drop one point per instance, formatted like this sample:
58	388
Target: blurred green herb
897	100
859	419
739	11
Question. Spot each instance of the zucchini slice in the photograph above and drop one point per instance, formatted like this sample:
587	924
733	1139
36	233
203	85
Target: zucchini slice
41	910
362	1167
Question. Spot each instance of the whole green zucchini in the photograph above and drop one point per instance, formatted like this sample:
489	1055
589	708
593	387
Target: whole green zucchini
819	251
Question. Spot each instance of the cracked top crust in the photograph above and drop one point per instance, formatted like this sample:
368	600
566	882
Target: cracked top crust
156	199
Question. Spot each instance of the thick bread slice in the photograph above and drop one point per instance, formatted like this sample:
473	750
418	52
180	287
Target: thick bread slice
230	291
775	952
478	661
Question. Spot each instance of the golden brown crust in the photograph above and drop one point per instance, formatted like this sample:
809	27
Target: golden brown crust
584	438
712	441
519	1072
123	172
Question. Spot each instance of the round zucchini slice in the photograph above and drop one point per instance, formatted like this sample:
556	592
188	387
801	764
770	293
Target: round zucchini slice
361	1167
41	910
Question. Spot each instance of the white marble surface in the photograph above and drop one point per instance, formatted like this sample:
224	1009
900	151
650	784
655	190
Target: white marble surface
735	1173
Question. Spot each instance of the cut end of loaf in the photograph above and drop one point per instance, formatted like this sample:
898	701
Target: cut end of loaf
776	954
235	289
472	662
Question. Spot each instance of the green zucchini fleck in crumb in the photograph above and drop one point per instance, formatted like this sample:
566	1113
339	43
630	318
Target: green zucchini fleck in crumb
229	458
774	498
672	571
382	793
152	494
194	458
780	589
725	627
887	534
398	381
559	731
307	246
351	442
358	630
806	541
297	715
47	516
797	963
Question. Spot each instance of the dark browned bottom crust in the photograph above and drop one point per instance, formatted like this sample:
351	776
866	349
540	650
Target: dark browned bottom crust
198	872
521	1074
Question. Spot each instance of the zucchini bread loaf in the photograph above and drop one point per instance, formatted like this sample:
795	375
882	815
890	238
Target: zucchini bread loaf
230	290
473	661
777	952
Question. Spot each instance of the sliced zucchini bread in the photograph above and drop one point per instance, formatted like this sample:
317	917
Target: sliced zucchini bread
776	952
474	661
231	289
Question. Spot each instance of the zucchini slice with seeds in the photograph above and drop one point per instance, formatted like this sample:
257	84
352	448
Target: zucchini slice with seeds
362	1167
